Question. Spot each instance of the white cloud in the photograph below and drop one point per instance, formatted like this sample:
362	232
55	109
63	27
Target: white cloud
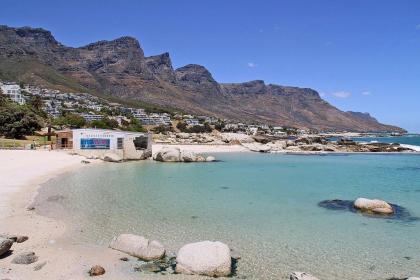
342	94
251	65
322	94
366	93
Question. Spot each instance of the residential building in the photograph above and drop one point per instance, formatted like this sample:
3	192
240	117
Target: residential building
13	92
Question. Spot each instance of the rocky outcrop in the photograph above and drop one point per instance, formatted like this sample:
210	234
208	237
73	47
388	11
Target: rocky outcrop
138	246
119	67
301	276
374	206
25	258
5	245
204	258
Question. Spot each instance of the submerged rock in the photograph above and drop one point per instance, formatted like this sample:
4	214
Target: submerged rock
138	246
5	245
374	206
204	258
301	276
25	258
96	270
400	213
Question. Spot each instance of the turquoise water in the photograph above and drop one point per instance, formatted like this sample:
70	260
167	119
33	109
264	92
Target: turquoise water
410	139
264	206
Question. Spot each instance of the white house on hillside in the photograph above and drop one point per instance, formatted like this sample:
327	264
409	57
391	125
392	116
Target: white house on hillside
13	92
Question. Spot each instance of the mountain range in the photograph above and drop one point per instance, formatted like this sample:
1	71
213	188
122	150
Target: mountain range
119	69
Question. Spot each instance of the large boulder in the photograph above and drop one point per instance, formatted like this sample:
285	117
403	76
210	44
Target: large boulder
5	245
138	246
168	154
111	157
25	258
204	258
374	206
302	276
188	156
257	147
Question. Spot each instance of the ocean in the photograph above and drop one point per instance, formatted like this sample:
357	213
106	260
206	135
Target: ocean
264	206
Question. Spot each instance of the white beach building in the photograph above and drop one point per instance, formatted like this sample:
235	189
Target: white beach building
97	142
13	92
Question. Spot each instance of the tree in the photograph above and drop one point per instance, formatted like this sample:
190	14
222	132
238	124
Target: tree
17	121
36	102
70	120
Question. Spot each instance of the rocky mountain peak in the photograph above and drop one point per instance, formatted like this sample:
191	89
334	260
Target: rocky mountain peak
119	45
194	76
161	66
251	87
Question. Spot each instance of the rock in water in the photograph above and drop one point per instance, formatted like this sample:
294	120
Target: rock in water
188	156
210	159
204	258
168	155
301	276
374	206
25	258
138	246
96	270
5	245
111	157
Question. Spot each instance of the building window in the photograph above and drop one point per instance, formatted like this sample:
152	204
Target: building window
120	143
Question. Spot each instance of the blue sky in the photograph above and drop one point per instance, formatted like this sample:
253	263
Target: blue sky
361	55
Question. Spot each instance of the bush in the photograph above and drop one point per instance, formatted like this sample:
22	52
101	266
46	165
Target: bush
183	127
163	129
104	123
133	125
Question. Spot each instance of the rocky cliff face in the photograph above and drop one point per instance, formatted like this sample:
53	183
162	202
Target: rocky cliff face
119	68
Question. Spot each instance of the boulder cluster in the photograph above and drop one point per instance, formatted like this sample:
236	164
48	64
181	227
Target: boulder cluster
6	243
201	258
175	154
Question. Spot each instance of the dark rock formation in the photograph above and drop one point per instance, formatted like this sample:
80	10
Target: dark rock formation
400	213
119	68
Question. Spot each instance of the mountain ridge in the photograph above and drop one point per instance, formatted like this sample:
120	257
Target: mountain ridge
120	69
